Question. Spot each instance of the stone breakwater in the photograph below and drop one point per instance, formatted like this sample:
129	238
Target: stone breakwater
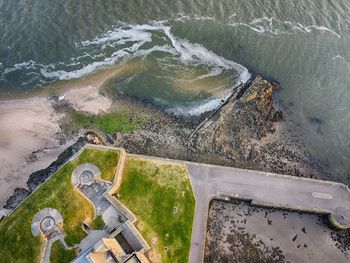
248	132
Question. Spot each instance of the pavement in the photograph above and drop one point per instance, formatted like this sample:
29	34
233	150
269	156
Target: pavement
92	238
94	193
265	189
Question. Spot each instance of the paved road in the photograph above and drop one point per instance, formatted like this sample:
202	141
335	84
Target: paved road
263	189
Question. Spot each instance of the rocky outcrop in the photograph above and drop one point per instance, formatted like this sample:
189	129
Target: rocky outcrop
245	133
19	195
39	177
246	118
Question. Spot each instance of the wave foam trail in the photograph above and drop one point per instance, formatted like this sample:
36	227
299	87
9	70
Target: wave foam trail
125	42
128	42
275	26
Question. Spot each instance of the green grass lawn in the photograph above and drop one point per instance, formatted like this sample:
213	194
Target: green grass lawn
107	122
97	223
60	255
161	197
17	244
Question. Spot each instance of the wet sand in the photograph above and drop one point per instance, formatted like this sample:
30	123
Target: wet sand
87	99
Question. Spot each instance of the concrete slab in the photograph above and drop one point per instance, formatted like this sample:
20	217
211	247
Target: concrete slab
265	189
94	192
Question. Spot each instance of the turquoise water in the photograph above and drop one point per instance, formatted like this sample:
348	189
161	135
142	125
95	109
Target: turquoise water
189	53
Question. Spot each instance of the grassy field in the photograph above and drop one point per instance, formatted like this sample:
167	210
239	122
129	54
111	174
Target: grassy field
107	122
160	195
17	243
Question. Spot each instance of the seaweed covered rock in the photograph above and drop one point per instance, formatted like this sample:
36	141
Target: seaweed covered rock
243	134
246	118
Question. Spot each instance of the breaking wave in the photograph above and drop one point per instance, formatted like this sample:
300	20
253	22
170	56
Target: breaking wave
129	41
124	42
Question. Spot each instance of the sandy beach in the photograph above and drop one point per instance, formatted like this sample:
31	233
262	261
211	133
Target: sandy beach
30	131
28	141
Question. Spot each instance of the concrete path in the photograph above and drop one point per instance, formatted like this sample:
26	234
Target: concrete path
91	239
266	189
45	257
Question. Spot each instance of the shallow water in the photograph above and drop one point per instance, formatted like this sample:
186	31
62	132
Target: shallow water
189	53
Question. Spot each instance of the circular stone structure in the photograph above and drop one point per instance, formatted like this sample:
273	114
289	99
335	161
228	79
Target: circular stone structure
85	174
47	225
46	221
86	177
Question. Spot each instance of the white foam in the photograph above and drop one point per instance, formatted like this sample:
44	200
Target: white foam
120	36
321	28
197	109
275	26
184	18
337	57
138	35
31	64
196	53
130	41
165	49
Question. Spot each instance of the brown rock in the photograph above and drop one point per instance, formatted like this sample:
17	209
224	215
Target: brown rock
244	134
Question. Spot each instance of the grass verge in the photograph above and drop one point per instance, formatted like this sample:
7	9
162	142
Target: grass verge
107	122
161	197
17	244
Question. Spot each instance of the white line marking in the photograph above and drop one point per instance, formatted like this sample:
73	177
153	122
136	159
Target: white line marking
322	195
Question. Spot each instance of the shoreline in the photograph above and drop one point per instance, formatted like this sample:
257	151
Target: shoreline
29	141
262	145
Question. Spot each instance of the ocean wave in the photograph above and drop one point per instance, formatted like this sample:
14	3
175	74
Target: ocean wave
275	26
128	42
125	42
31	64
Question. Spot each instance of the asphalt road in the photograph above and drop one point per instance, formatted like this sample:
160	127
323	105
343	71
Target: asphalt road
262	188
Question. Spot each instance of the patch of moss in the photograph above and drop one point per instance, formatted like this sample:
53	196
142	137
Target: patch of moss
107	122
